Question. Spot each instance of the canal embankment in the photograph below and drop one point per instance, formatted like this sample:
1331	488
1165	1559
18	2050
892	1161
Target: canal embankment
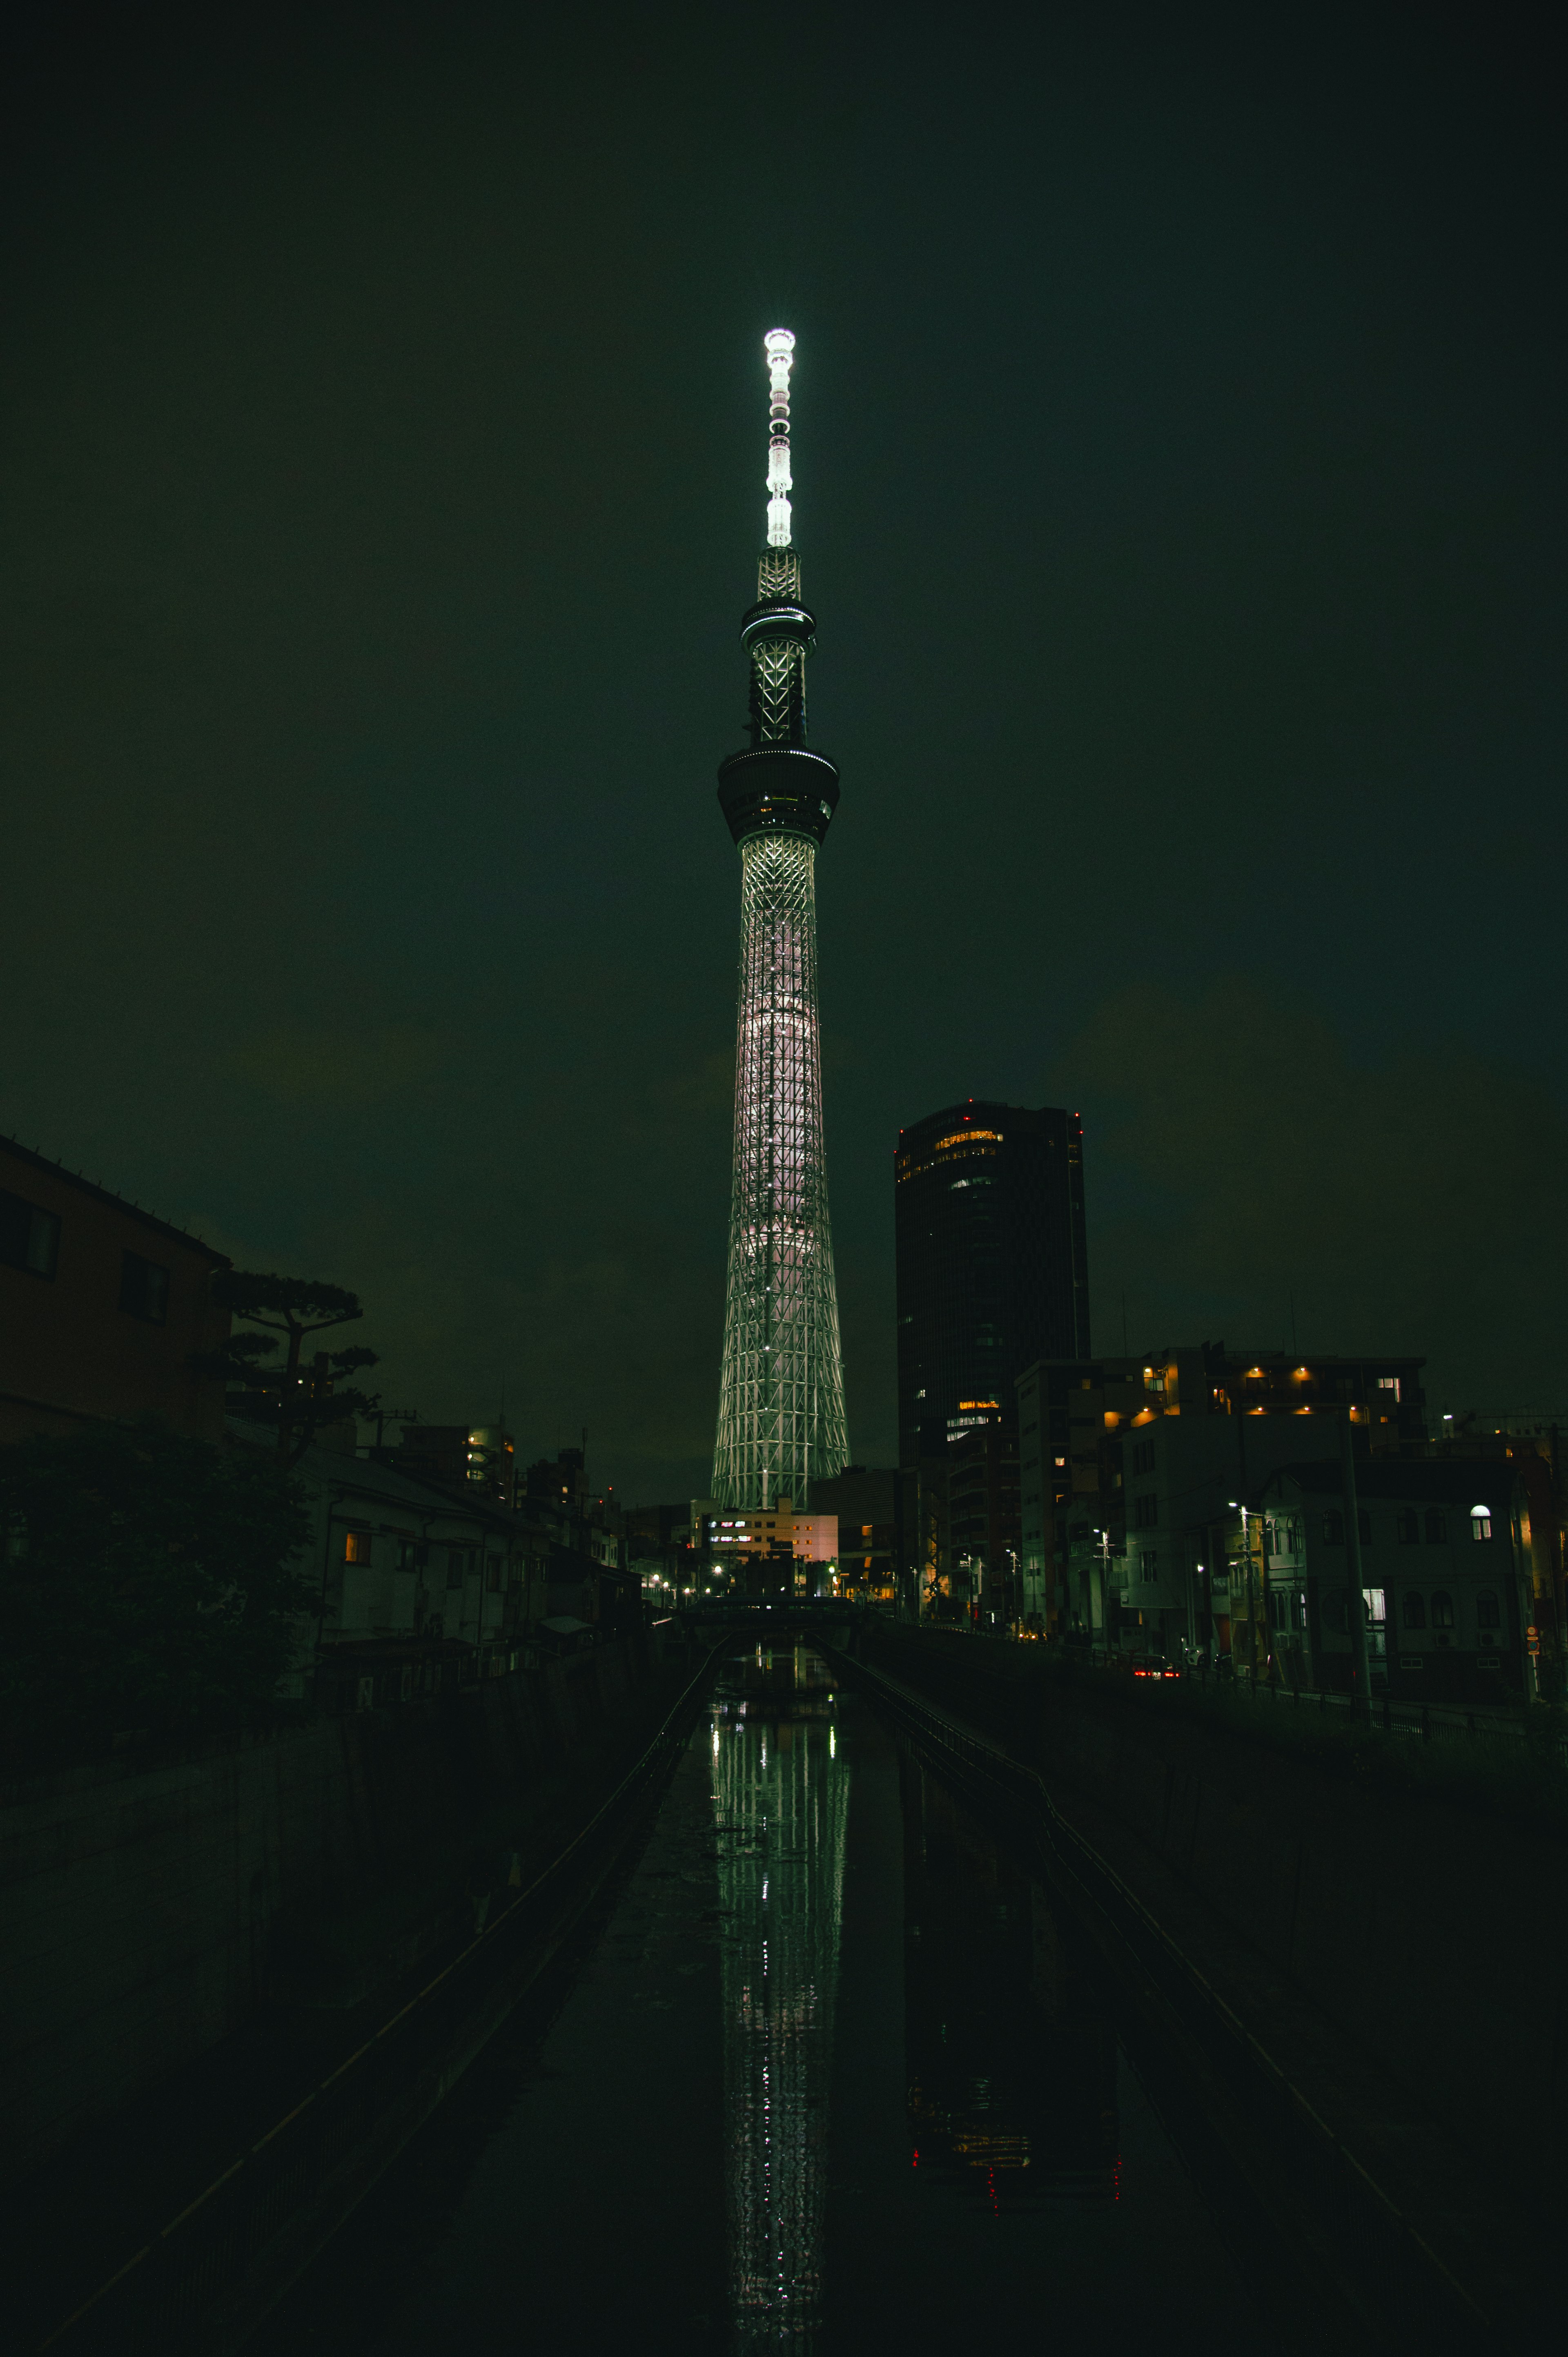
1390	1947
186	1950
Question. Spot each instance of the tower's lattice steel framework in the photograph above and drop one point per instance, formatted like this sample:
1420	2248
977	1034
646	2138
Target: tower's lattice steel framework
781	1419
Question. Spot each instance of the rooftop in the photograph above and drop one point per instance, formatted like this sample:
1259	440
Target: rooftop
36	1161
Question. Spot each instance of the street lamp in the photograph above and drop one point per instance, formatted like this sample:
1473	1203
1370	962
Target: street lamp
1251	1611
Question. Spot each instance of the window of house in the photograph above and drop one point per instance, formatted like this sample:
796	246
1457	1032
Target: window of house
1436	1526
1377	1604
1333	1530
1298	1608
143	1288
1408	1524
1480	1522
1390	1383
454	1567
29	1238
1442	1611
1486	1614
1414	1608
1145	1512
493	1573
357	1546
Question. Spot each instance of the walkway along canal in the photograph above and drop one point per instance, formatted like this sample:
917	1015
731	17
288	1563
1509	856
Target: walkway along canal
831	2070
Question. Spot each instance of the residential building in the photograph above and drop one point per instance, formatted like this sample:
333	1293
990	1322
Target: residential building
984	1534
660	1554
992	1263
926	1591
871	1504
1445	1568
102	1308
1130	1469
420	1584
1069	1488
483	1456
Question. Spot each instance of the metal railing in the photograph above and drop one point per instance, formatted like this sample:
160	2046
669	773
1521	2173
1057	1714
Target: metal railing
232	2250
1510	1728
1489	1724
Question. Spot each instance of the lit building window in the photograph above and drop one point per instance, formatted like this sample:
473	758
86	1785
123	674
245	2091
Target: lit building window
1480	1522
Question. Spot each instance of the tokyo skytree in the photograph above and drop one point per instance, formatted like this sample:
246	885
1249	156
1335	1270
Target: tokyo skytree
782	1420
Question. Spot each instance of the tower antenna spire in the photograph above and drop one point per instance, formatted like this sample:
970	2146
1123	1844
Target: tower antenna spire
779	346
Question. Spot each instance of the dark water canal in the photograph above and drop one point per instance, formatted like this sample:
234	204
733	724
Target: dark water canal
831	2075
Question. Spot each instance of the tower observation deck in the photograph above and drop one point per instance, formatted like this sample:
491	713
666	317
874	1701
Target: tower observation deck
781	1417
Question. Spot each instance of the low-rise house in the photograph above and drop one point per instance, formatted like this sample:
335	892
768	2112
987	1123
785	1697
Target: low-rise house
417	1585
1444	1578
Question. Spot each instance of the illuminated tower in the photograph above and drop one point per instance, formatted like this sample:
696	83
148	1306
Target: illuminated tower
782	1421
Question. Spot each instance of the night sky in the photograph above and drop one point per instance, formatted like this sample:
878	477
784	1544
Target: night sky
1179	485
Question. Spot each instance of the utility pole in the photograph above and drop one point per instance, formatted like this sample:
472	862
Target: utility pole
1361	1679
1191	1607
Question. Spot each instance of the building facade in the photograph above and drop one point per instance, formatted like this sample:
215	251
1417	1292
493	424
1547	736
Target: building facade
872	1506
482	1456
102	1308
1445	1568
738	1545
992	1263
419	1586
1132	1470
782	1412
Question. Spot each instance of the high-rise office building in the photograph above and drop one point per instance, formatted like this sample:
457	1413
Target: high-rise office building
992	1267
781	1419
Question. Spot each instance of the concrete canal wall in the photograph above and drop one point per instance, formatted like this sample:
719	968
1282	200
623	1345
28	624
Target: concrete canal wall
1429	1931
146	1915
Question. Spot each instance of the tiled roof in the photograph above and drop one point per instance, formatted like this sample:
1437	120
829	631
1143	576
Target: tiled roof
10	1146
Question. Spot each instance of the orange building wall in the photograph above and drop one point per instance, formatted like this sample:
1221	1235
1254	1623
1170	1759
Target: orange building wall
67	1351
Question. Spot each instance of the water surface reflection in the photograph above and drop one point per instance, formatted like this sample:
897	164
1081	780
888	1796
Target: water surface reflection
1012	2061
780	1809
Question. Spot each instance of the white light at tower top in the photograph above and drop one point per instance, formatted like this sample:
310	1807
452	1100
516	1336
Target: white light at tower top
779	346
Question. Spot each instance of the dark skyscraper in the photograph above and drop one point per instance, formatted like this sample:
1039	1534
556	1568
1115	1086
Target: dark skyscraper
992	1263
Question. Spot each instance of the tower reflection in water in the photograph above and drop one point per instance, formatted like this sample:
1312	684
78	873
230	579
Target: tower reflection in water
780	1804
1010	2050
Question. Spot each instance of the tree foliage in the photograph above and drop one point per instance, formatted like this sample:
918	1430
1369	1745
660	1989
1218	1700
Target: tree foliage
295	1400
150	1585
